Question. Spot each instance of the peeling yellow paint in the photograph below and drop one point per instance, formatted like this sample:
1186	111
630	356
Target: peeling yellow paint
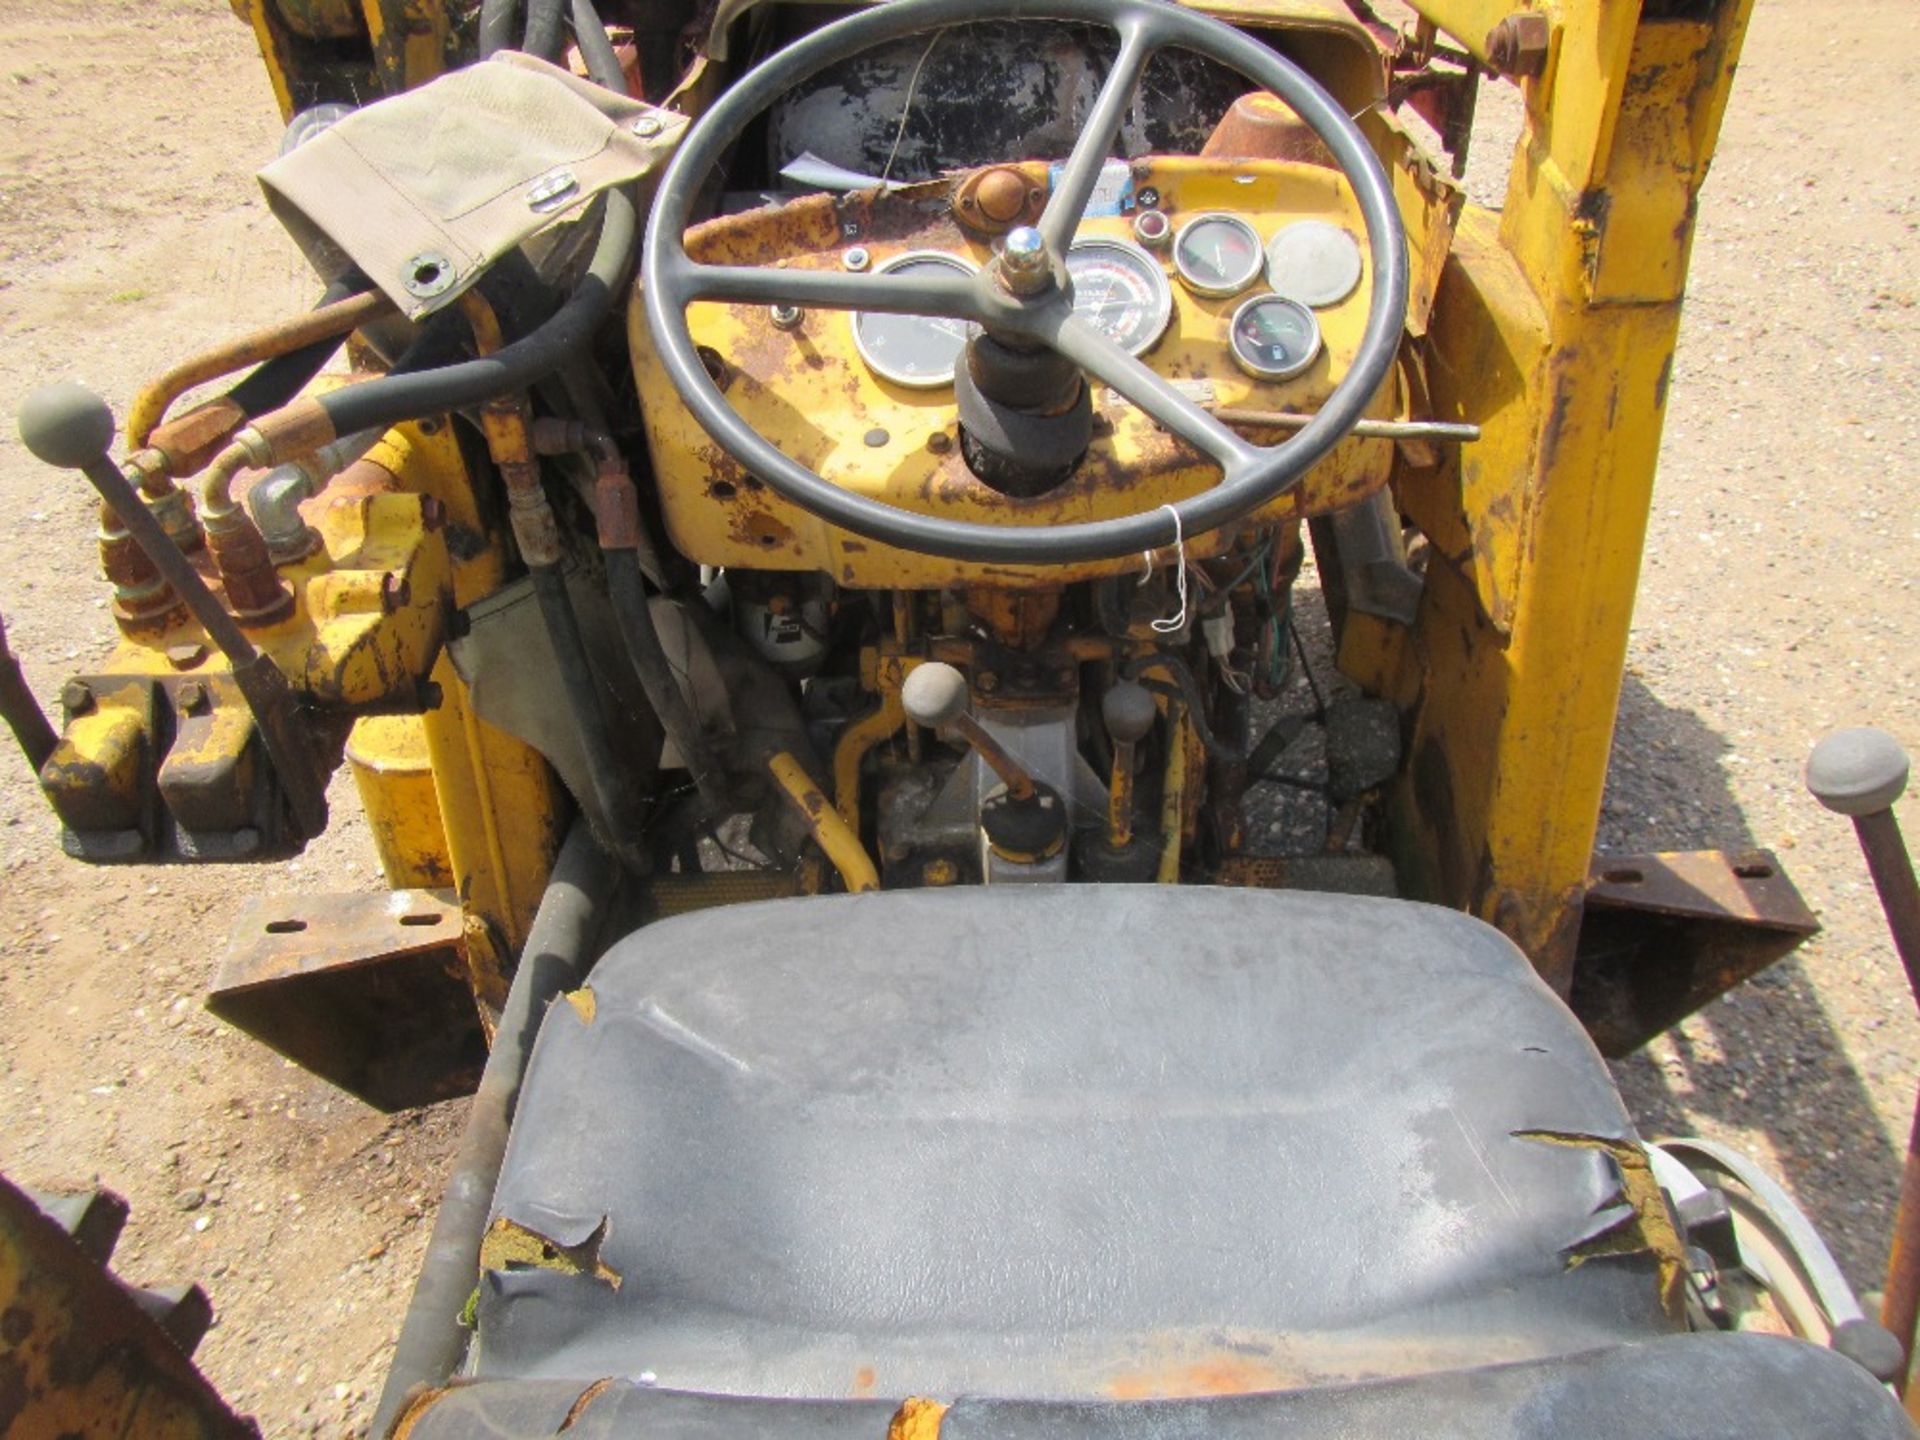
584	1003
916	1419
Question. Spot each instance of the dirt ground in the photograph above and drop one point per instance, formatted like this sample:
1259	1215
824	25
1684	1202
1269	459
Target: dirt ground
1777	602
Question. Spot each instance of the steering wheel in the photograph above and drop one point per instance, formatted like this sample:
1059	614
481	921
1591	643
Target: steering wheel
1251	475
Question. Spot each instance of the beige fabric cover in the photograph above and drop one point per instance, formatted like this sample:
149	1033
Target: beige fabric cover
426	189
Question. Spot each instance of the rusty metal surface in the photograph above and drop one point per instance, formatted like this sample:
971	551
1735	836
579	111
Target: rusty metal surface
79	1356
1664	934
370	992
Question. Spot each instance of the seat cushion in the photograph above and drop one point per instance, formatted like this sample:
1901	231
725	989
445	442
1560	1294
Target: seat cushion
1059	1142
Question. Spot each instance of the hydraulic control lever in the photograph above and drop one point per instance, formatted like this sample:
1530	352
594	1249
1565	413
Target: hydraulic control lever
70	427
1129	712
1024	821
21	711
1859	773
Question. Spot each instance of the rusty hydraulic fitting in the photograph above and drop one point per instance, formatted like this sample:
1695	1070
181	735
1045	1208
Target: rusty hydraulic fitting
616	507
143	602
255	592
554	436
1517	46
508	428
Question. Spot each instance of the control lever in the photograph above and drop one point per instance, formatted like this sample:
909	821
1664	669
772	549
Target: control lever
935	696
21	711
1859	773
70	427
1024	821
1129	712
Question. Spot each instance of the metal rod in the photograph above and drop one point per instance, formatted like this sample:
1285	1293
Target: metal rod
1364	429
838	840
1019	784
21	711
557	956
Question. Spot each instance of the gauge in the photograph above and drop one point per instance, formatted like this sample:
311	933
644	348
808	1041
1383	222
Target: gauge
1313	262
1274	337
1217	254
918	351
1119	289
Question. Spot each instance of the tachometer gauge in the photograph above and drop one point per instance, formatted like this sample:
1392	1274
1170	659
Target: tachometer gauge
1217	254
918	351
1274	338
1120	291
1313	262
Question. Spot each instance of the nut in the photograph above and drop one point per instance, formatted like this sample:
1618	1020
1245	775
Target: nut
192	698
185	657
1517	46
77	697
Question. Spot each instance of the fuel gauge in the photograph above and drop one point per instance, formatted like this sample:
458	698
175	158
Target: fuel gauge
1217	254
1274	338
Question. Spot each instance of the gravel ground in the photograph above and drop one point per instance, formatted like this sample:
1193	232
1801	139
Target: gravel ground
1776	602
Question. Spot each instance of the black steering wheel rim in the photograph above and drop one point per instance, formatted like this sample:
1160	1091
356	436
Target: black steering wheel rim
1252	475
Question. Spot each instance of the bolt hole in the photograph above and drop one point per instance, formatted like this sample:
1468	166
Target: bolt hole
429	918
285	927
1623	877
769	541
426	274
1754	871
722	490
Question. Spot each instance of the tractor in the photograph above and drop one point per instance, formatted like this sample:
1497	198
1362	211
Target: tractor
808	552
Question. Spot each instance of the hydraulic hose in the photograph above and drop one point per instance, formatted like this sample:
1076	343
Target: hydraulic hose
557	956
542	36
596	47
496	26
388	401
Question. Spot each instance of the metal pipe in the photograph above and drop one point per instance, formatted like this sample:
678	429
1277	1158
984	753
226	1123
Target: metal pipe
1364	429
496	26
557	956
635	617
21	711
329	322
838	840
542	35
596	47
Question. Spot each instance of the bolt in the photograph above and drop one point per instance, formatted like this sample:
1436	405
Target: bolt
185	657
784	317
939	442
877	437
1024	266
856	258
192	698
1517	46
77	697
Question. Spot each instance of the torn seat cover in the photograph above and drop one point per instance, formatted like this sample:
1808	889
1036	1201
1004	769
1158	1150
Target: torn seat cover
426	189
1093	1142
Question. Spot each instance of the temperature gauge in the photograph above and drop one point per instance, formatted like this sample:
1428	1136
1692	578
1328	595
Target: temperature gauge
1218	254
918	351
1120	291
1274	338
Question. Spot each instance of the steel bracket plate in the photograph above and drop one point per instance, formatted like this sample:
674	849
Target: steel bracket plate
369	992
1665	934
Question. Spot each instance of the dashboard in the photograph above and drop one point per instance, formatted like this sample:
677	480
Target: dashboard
1245	283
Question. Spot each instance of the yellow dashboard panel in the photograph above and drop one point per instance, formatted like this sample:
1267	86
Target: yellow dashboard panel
805	386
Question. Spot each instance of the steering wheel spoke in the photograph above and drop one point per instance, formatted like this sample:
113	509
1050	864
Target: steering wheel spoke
1103	360
1068	204
952	296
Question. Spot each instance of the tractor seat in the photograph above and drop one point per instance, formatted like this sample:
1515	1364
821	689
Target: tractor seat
1069	1142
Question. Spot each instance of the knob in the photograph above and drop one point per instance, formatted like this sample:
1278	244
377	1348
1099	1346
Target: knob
66	425
1860	771
1129	712
934	694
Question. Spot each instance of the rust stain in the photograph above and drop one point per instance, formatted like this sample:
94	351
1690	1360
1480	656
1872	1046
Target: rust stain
1223	1374
863	1380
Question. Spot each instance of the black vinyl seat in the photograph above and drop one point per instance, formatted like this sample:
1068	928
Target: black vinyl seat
1096	1143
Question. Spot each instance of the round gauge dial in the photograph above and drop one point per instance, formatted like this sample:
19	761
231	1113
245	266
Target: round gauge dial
918	351
1217	254
1120	291
1274	338
1313	262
